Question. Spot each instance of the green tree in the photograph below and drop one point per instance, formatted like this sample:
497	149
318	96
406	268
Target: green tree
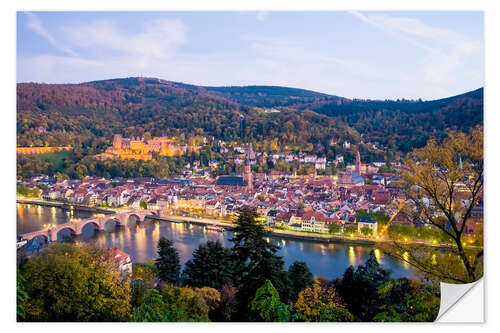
146	272
300	277
366	231
75	282
184	304
256	262
143	280
21	296
168	263
408	300
334	229
143	205
351	230
211	266
267	303
151	308
362	284
321	303
176	304
402	232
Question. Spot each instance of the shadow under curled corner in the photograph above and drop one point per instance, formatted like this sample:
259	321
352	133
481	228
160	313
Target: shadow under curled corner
462	303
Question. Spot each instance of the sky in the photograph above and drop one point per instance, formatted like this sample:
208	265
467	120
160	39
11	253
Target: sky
375	55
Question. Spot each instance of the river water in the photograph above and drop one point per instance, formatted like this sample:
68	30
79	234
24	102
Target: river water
327	260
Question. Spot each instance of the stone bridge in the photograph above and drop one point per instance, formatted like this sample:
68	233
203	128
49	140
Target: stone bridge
100	223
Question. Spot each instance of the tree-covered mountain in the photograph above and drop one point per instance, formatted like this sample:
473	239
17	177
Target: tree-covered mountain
273	96
76	113
92	112
399	125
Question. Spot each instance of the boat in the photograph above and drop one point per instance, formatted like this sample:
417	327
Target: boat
21	242
213	227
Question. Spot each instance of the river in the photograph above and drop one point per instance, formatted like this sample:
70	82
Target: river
327	260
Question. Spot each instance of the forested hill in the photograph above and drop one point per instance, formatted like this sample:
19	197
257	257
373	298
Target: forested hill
83	113
273	96
75	113
398	125
404	125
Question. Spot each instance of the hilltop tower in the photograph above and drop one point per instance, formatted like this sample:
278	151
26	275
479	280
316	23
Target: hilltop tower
242	126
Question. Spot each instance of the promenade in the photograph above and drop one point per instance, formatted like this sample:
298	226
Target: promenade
290	234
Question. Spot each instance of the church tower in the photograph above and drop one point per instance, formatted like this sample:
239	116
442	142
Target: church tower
358	164
247	175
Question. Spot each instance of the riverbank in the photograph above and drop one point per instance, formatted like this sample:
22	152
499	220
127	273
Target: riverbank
286	234
298	235
62	205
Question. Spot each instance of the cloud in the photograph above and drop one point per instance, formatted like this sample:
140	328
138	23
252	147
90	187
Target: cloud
446	50
34	23
262	16
158	39
441	63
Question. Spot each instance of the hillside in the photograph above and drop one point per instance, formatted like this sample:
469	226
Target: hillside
397	125
85	113
75	113
273	96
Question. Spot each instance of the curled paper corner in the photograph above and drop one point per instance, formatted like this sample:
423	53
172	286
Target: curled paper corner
462	303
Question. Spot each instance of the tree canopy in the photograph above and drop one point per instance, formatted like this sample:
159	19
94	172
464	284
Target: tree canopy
444	182
168	263
74	282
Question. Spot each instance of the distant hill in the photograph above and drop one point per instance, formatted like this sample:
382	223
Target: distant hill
273	96
76	113
399	125
80	113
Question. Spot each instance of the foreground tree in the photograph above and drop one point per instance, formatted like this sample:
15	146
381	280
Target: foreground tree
321	302
211	266
300	277
267	303
359	288
70	282
404	300
168	263
21	297
256	262
176	304
184	304
443	183
151	308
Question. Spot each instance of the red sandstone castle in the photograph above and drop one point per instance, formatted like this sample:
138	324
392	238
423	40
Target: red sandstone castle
142	149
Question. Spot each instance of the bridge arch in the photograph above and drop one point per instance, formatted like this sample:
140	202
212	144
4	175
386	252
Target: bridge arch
86	224
40	237
60	233
133	219
111	224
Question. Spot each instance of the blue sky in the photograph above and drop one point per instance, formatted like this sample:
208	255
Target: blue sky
374	55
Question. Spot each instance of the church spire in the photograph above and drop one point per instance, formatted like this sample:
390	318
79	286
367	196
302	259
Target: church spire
358	163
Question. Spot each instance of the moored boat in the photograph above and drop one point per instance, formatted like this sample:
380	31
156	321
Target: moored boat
215	228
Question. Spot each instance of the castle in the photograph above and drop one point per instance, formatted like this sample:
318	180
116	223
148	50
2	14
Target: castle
40	150
143	149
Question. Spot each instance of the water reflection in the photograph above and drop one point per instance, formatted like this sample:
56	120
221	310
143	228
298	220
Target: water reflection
328	260
33	217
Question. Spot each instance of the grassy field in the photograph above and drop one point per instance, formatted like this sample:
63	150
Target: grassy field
56	159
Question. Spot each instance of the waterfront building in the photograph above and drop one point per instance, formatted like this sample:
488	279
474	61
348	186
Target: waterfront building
122	259
367	222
